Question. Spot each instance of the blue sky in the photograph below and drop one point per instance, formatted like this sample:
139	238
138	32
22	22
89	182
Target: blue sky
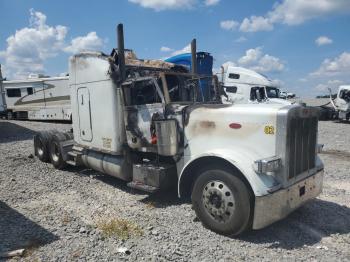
303	44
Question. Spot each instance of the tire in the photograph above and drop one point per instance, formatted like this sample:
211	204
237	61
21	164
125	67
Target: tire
9	115
56	156
41	146
69	135
222	201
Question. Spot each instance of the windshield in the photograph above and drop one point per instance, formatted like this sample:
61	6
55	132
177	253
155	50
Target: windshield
345	94
272	92
183	88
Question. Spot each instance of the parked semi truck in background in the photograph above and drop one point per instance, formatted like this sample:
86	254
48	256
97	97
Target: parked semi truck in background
240	85
146	122
243	85
204	67
342	102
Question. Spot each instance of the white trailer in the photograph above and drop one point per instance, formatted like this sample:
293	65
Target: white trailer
38	98
342	102
243	85
243	166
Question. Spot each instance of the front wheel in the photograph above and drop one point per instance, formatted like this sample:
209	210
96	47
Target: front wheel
222	201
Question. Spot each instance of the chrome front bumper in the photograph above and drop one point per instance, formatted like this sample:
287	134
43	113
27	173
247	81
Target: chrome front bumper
275	206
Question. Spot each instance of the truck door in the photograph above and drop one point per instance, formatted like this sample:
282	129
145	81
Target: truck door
84	110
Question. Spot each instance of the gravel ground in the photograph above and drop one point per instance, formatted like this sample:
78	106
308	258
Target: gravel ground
57	215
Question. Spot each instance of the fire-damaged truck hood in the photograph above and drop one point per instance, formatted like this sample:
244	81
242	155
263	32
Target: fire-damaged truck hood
240	125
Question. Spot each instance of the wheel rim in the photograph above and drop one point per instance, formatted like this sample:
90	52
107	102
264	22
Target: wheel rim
55	152
40	147
218	201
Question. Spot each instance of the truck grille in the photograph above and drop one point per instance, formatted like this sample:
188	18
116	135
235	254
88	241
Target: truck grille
301	145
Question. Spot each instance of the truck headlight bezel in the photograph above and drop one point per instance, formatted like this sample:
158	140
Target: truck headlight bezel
267	165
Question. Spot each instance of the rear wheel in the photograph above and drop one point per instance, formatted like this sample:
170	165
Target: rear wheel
9	115
69	135
56	154
41	141
222	201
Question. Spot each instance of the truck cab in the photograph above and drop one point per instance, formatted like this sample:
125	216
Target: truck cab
147	122
342	102
247	86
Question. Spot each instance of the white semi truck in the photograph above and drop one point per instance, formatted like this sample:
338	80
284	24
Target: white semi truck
342	102
243	166
243	85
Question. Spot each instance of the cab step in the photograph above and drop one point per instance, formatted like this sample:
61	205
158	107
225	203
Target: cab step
72	163
78	148
73	153
74	156
143	187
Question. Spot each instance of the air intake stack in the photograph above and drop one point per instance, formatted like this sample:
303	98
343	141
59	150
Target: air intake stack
121	55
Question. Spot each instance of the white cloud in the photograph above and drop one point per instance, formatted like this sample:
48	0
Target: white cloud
228	24
84	43
255	23
278	83
251	56
256	60
30	46
323	40
294	12
186	49
228	63
331	67
166	49
332	84
269	64
241	39
160	5
321	87
211	2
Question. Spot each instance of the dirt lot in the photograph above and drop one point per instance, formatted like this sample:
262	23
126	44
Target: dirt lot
79	214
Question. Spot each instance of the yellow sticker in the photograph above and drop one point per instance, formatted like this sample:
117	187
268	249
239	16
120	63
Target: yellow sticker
269	130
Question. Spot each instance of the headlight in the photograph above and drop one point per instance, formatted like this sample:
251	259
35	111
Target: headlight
266	165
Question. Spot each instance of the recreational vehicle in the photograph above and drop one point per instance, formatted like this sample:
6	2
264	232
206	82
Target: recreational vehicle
38	98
